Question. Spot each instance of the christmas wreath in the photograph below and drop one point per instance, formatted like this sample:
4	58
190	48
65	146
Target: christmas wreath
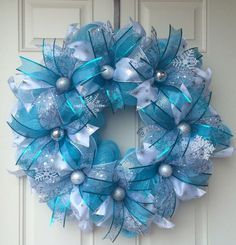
60	109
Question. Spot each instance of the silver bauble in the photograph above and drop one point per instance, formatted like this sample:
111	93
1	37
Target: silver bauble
57	134
107	72
118	194
77	177
165	170
184	128
160	76
63	84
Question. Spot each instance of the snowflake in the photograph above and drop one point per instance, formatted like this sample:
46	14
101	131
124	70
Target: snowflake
201	148
94	103
142	132
46	173
186	60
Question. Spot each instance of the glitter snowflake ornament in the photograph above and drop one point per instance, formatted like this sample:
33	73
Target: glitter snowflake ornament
46	173
201	148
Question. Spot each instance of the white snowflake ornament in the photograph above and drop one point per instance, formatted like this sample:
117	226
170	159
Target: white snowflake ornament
46	173
201	148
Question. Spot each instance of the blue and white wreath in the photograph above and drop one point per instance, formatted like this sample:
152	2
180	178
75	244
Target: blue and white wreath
59	112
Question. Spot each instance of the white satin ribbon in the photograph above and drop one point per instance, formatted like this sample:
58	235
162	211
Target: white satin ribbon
72	29
147	154
225	153
80	210
185	191
125	73
203	75
61	165
22	87
105	210
83	136
82	50
20	141
18	173
145	94
163	222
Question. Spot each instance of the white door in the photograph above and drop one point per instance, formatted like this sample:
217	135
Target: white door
208	24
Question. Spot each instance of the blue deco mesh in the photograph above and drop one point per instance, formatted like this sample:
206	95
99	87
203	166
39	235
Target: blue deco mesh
60	109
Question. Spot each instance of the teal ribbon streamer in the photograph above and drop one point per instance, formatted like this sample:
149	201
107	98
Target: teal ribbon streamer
87	71
37	71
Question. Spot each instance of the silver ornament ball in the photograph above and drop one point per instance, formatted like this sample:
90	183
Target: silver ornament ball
63	84
77	177
118	194
161	76
107	72
57	134
165	170
184	128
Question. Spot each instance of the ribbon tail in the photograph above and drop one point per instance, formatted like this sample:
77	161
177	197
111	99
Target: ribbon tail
225	153
127	39
59	206
203	76
37	71
117	221
163	222
185	191
24	130
105	212
86	72
172	47
18	173
80	210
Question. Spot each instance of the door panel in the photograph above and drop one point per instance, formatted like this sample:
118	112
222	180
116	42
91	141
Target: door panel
208	24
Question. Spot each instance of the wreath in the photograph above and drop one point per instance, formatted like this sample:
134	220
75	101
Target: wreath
59	111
